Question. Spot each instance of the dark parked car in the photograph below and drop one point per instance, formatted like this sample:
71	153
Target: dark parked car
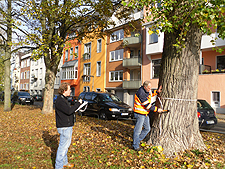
37	97
105	105
22	98
206	115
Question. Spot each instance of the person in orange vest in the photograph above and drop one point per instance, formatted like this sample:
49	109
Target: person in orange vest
142	107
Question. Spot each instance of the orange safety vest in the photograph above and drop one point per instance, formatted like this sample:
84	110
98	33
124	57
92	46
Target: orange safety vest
140	107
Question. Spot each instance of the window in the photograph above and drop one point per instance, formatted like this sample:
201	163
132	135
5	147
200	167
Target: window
116	55
87	71
36	73
116	75
98	89
69	73
76	52
86	89
117	35
40	82
28	62
40	72
220	62
216	96
71	53
98	72
155	68
153	38
21	75
87	51
66	55
28	74
99	45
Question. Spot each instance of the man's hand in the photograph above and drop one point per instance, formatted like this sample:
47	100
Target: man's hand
160	110
80	101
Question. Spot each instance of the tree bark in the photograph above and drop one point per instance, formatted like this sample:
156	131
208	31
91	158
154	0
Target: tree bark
48	92
178	130
7	84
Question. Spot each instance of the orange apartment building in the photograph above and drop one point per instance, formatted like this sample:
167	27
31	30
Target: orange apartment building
71	64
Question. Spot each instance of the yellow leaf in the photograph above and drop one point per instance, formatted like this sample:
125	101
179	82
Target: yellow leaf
189	166
100	161
160	149
74	144
207	164
150	32
128	161
142	166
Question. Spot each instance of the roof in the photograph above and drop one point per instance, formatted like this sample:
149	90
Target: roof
70	63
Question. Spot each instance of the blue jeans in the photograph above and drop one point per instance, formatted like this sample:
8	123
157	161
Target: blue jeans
64	143
139	134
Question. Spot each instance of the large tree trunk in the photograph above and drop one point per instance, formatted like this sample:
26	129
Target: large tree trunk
7	84
48	92
178	130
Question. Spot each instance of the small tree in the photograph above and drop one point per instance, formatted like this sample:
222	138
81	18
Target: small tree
183	23
51	21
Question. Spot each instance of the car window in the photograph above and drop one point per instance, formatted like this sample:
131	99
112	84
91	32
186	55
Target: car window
105	98
88	96
81	96
23	94
94	96
202	104
115	98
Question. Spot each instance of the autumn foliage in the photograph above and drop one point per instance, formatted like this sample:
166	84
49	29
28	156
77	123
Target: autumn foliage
29	139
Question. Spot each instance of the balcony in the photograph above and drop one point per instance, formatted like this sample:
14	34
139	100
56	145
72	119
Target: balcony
131	84
134	62
206	69
132	41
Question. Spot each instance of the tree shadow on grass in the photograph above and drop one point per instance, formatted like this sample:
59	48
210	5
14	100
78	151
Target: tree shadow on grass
52	142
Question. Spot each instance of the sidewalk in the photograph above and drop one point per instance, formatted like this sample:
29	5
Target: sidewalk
220	116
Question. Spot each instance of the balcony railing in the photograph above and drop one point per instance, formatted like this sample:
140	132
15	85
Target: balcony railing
131	84
132	62
206	69
132	41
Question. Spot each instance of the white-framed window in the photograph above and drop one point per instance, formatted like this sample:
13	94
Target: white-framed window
116	55
27	86
21	75
86	89
155	68
71	53
98	89
99	45
66	55
117	36
69	73
98	69
87	71
28	74
116	76
87	51
28	62
153	38
40	82
76	52
36	73
22	64
220	62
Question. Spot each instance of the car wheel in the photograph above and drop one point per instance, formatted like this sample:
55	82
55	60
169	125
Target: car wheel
103	115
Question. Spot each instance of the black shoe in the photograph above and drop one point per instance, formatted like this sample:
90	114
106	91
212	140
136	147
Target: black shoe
138	149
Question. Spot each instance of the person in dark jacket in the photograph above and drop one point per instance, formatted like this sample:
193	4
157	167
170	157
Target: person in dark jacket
142	107
65	118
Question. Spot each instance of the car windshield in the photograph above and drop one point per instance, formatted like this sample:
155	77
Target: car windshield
23	94
109	98
202	104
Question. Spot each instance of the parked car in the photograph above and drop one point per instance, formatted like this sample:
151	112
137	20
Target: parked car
206	115
22	98
54	98
105	105
1	96
37	97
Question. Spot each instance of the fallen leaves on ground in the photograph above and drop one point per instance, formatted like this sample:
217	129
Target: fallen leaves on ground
29	139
